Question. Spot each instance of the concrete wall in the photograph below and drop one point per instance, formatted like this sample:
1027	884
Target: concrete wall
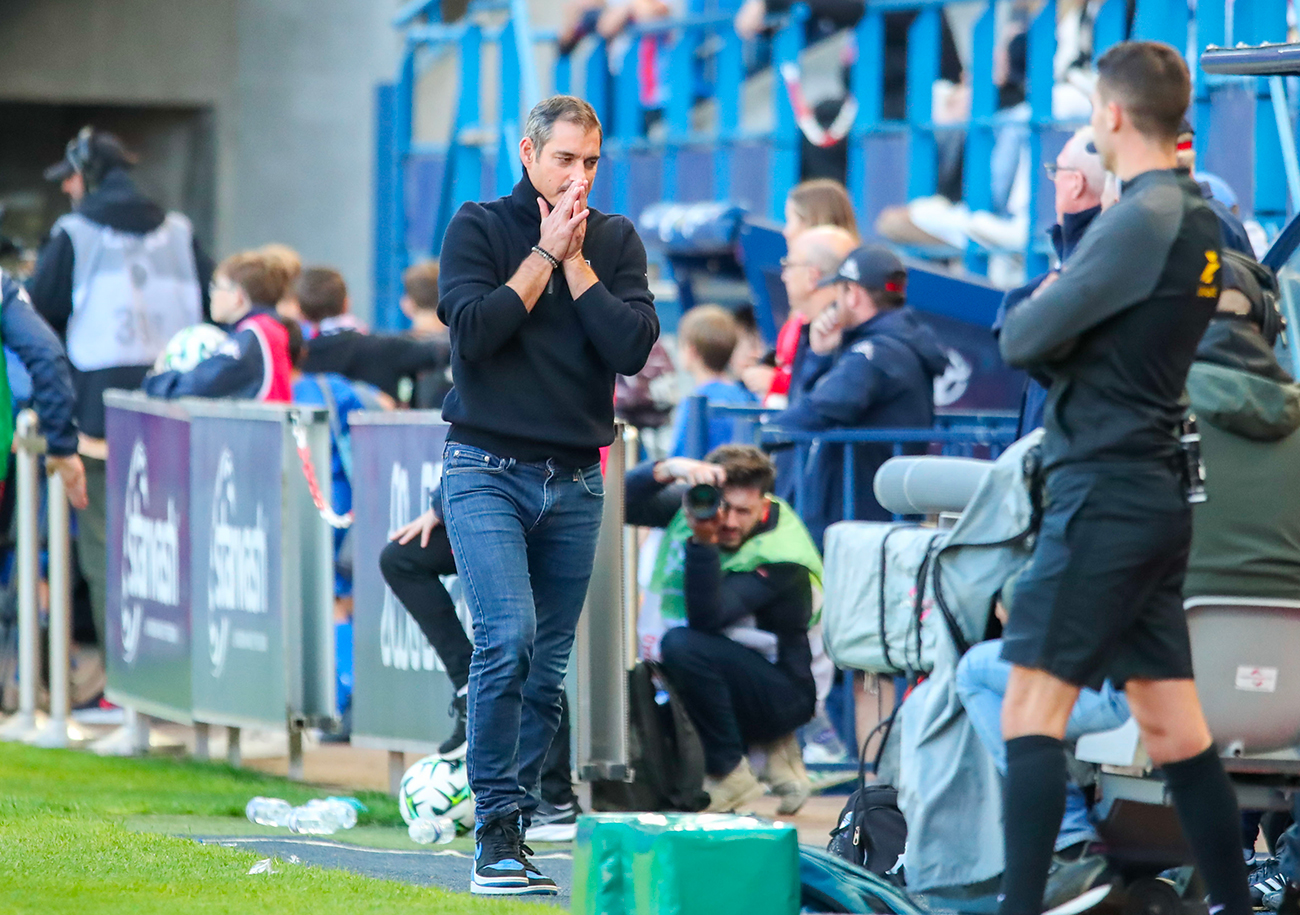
299	165
289	83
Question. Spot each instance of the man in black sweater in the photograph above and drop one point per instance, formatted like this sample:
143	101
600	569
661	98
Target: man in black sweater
728	610
546	300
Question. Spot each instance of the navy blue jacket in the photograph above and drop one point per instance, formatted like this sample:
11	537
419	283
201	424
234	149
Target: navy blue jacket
26	333
882	376
252	365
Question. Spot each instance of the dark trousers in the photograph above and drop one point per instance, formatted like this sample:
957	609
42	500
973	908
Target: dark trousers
413	572
733	694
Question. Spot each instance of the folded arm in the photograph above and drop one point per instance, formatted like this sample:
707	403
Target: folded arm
1116	265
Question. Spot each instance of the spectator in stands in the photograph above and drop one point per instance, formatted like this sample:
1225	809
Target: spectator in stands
814	255
254	363
730	602
113	314
706	338
820	202
289	259
417	555
419	303
939	221
882	374
341	346
1079	179
750	347
1235	235
610	21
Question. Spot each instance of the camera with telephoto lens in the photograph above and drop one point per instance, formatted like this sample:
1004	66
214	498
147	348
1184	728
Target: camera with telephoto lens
1193	467
702	502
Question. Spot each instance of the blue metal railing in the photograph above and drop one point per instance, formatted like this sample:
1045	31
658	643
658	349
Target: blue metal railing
461	178
706	62
956	440
967	434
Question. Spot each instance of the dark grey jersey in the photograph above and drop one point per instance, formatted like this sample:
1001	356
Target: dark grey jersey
1117	332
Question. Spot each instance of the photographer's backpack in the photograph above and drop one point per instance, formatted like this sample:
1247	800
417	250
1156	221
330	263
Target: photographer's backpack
871	831
666	753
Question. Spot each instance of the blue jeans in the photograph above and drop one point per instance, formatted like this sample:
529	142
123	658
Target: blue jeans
524	536
982	683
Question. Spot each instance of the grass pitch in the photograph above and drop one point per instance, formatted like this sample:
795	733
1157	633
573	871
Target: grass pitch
65	846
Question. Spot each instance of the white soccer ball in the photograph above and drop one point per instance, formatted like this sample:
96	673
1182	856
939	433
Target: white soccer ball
435	787
190	346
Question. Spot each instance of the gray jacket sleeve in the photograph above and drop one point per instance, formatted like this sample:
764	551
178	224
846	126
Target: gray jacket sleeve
1116	265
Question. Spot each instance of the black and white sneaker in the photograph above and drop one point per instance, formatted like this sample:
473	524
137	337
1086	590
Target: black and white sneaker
454	746
554	823
498	860
538	883
1268	886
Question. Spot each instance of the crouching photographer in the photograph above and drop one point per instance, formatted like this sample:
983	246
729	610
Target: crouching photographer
735	586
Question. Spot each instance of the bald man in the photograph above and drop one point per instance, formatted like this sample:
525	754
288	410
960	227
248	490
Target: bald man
1079	179
814	254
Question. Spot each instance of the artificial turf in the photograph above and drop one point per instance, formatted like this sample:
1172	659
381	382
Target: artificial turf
65	845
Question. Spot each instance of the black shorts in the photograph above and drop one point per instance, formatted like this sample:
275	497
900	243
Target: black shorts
1102	595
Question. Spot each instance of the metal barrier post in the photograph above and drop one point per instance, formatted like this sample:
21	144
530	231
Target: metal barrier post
601	714
27	569
56	731
631	551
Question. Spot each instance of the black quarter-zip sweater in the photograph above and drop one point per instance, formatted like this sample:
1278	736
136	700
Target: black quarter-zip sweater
539	385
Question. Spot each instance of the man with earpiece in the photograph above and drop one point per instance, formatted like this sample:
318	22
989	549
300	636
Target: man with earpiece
117	277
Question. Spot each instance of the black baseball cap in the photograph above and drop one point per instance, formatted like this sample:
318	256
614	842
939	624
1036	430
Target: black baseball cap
871	267
91	150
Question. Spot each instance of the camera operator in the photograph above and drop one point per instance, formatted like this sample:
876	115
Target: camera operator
1116	333
735	586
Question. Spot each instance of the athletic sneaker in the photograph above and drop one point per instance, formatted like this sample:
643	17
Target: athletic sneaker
1268	886
1071	876
538	883
454	746
499	860
554	823
1082	903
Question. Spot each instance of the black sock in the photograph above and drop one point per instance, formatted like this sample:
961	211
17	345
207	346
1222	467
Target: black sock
1033	804
1207	809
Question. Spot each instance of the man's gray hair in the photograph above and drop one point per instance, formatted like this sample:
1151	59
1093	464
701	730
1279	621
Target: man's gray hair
541	120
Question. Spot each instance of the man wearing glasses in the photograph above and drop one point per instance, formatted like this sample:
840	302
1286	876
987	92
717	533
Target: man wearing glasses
1079	178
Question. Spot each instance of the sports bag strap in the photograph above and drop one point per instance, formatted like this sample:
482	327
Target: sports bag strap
342	440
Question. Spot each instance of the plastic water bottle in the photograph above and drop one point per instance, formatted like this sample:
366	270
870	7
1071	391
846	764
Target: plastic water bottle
337	810
313	819
428	830
268	811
